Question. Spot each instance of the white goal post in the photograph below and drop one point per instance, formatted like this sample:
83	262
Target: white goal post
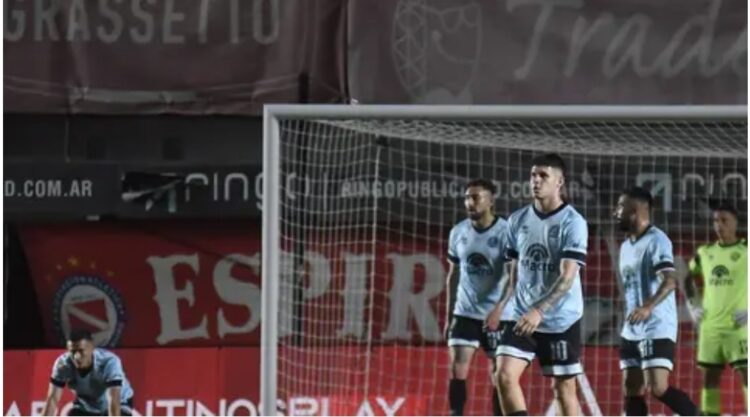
345	181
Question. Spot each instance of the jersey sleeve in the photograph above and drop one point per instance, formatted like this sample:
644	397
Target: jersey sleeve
662	258
113	373
575	238
61	372
453	246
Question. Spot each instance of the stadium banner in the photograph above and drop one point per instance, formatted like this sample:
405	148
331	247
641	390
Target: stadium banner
186	57
148	284
429	194
60	188
414	184
192	191
548	51
225	381
81	190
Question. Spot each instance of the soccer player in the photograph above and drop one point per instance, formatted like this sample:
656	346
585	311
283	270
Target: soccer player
721	311
547	246
476	249
649	332
95	375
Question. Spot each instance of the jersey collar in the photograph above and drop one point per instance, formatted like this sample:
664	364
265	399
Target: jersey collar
480	231
738	242
637	238
543	216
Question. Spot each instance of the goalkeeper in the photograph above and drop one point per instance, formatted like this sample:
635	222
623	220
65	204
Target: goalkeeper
721	310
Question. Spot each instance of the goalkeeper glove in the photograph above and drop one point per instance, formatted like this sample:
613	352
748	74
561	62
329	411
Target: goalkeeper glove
740	318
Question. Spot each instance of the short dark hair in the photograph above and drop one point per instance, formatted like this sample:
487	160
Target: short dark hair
641	194
77	335
549	160
484	183
723	205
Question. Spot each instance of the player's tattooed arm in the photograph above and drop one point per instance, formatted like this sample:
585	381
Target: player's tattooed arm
510	283
568	271
668	284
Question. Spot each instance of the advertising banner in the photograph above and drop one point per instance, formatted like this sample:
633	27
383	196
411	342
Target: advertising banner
548	52
149	284
405	381
185	57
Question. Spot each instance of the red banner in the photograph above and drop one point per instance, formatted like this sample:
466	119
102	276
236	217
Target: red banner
403	381
146	284
151	284
187	56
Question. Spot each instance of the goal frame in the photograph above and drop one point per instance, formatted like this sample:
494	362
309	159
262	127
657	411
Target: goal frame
274	113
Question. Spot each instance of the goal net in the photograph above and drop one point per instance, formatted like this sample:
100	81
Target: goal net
358	204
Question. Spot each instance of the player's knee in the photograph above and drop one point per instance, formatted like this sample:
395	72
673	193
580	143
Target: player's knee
565	388
658	389
505	377
460	370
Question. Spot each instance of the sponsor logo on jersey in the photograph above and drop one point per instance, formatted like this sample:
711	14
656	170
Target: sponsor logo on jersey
478	265
720	276
535	257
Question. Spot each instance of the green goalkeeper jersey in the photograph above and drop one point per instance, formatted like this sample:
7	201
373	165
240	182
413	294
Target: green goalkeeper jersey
724	271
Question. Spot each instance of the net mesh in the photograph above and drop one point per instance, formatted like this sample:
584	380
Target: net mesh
366	207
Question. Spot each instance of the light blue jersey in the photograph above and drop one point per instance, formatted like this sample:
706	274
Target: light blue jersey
480	257
540	242
91	388
640	263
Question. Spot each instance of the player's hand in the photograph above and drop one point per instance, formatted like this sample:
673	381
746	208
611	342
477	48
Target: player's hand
528	323
447	329
740	318
492	322
640	314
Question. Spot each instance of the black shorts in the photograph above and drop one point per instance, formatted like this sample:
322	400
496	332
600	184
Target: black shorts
466	331
647	353
559	353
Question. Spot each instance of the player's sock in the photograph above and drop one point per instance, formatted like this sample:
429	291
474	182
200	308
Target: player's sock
679	402
710	401
636	406
496	409
519	413
457	396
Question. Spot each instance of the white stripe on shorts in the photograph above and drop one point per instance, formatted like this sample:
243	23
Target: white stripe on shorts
463	342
